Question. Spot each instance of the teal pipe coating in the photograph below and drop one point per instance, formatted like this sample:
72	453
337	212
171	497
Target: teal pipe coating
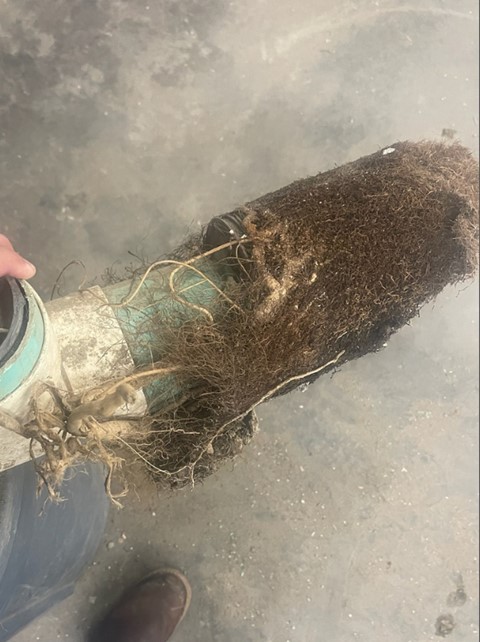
154	299
16	370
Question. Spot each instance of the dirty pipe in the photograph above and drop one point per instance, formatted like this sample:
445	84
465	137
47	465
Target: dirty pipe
85	339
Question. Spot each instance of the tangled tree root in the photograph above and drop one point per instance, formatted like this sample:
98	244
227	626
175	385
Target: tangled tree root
63	450
322	271
331	266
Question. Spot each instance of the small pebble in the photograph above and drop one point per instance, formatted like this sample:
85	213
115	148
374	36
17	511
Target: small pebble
110	545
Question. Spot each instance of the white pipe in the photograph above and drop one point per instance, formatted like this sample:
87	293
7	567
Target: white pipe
83	347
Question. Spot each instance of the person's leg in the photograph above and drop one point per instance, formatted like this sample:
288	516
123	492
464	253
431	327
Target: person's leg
148	612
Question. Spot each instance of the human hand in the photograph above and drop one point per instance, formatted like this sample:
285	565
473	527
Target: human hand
11	263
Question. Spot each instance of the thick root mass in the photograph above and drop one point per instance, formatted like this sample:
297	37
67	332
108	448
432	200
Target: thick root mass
334	265
322	271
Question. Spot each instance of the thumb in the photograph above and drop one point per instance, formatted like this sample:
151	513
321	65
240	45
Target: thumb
12	264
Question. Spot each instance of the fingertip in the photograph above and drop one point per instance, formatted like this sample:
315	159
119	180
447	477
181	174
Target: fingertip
27	270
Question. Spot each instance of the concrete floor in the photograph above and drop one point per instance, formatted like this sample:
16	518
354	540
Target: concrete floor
353	515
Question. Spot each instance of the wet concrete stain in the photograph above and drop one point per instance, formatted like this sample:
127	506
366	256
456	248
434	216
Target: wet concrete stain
459	596
444	625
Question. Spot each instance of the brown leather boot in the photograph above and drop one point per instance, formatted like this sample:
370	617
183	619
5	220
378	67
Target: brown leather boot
149	611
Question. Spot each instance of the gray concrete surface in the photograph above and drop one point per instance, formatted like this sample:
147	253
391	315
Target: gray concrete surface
353	515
